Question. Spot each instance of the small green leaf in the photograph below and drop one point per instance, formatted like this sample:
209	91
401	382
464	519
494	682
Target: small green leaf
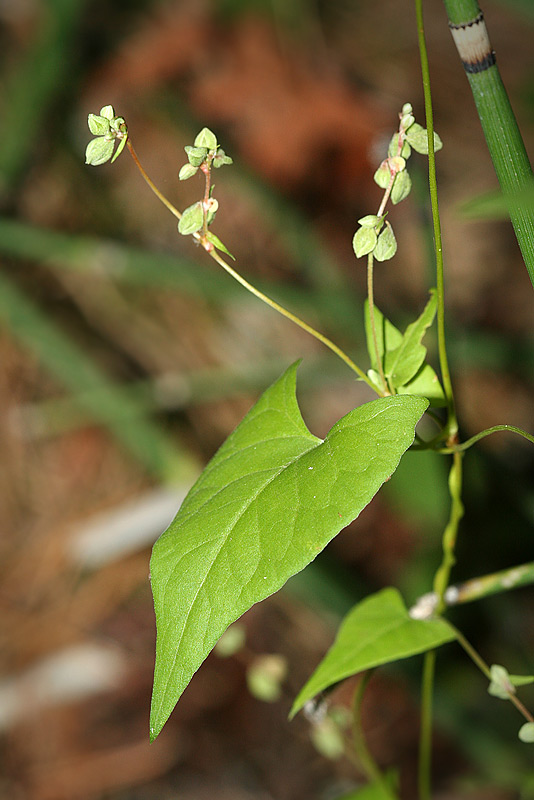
364	241
377	631
407	120
206	139
501	685
384	790
371	221
402	363
195	155
216	242
383	175
388	337
521	680
187	171
98	151
221	158
99	126
394	146
417	136
120	148
386	246
425	383
268	502
192	219
401	187
526	732
108	112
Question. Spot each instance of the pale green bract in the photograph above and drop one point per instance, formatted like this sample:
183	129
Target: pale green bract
269	501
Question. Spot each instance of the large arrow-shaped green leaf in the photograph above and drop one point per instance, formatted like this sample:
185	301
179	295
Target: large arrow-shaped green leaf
268	502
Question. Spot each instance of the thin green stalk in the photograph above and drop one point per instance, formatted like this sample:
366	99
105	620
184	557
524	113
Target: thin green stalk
455	477
458	448
425	736
483	667
371	301
252	289
452	423
503	138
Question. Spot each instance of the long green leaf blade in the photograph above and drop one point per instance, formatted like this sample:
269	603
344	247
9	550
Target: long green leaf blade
404	362
269	501
377	631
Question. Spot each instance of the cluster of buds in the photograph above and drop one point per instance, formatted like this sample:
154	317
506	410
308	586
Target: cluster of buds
375	234
108	129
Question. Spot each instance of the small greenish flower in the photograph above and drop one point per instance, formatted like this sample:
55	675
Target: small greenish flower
108	130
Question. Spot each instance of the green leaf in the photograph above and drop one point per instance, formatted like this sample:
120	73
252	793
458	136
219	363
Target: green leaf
388	337
216	242
221	159
187	171
99	126
382	176
371	221
386	246
376	790
98	151
402	363
425	383
401	187
120	148
266	505
192	219
526	732
207	139
417	137
394	145
364	241
107	112
377	631
521	680
501	685
195	155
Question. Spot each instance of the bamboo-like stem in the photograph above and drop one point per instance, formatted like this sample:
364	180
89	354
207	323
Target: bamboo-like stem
503	138
252	289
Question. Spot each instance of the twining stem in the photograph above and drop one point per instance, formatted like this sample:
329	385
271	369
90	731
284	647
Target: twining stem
201	238
452	423
455	476
372	321
458	448
425	735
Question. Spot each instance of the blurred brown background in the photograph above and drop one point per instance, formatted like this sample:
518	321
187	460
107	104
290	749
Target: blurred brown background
127	358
